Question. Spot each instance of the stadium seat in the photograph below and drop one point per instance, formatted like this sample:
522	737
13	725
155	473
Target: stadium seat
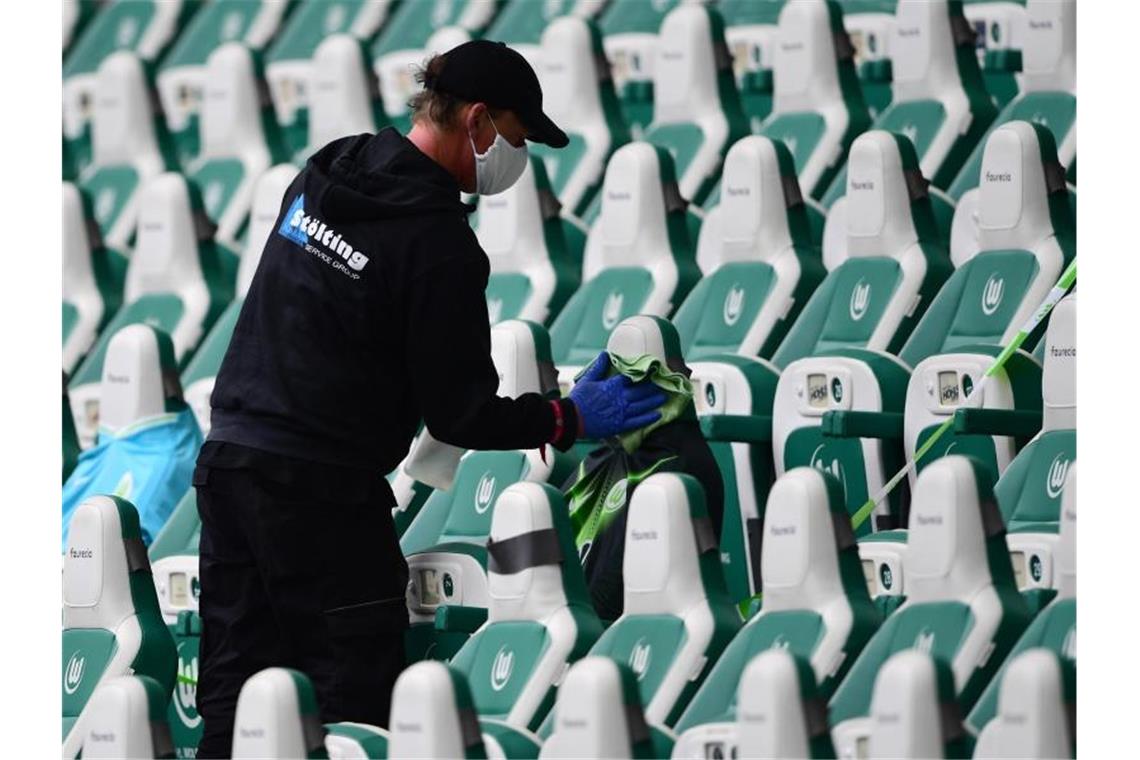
962	605
696	108
815	605
174	559
1048	98
404	43
540	619
77	14
817	106
1055	627
578	94
914	713
148	440
129	147
521	25
111	622
70	448
343	95
433	718
92	278
1036	715
870	26
184	74
838	354
124	720
677	617
598	715
144	27
778	711
239	140
1000	31
198	378
534	266
181	715
289	60
756	255
638	258
277	718
629	33
750	30
177	281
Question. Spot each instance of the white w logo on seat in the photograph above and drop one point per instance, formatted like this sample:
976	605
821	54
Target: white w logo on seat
924	641
73	673
733	302
611	314
186	693
992	293
639	658
1055	479
484	492
860	297
501	668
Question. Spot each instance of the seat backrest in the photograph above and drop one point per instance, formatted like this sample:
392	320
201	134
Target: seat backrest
913	710
1067	547
343	92
277	717
598	714
92	278
1036	714
1049	47
126	717
1059	374
432	714
521	25
751	32
578	94
894	264
778	712
124	129
140	378
629	32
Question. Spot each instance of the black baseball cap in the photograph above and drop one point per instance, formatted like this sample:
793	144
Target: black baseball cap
482	71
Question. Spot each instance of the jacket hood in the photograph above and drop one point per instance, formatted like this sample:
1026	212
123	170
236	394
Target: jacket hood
380	176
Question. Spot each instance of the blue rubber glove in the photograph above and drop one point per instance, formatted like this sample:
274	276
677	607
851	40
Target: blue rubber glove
616	405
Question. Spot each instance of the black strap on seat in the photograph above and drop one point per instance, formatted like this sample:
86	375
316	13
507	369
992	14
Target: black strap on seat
992	522
1054	177
916	184
844	49
313	733
815	717
754	530
549	207
962	32
674	201
524	551
844	536
136	555
951	718
469	728
635	721
705	534
161	742
793	196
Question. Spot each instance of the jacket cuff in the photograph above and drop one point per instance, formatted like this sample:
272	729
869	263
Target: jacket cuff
565	431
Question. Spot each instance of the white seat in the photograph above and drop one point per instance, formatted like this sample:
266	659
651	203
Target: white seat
126	720
913	711
432	716
91	282
777	714
343	93
1036	714
630	36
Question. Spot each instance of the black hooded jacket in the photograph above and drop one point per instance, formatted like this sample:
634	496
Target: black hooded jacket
367	314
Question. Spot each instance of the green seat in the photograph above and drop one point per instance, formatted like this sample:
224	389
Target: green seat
914	710
178	281
521	24
817	105
404	42
174	562
181	714
277	718
779	712
696	108
750	30
578	94
184	76
144	27
638	258
534	268
629	33
962	604
1037	710
815	605
111	621
198	377
76	16
999	29
870	25
289	59
433	716
125	719
92	278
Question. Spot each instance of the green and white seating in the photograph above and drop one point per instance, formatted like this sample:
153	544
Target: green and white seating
1048	98
1036	715
870	25
182	715
92	278
521	24
125	718
198	378
174	560
838	356
817	106
111	623
343	95
144	27
128	147
404	43
184	74
914	712
815	605
177	281
433	718
756	255
277	718
289	60
76	16
962	604
1000	29
578	93
696	108
533	267
1055	627
629	34
598	714
239	140
778	711
750	30
539	620
638	257
676	617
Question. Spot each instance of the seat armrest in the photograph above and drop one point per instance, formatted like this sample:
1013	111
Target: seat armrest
1011	422
737	428
862	425
457	618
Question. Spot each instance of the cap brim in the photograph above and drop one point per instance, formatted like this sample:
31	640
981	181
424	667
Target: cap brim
541	129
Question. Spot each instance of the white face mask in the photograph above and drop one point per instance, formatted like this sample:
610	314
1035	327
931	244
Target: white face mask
500	166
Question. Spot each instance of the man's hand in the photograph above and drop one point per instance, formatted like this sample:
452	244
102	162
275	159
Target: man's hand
608	407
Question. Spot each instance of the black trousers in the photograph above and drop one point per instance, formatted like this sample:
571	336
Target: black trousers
292	579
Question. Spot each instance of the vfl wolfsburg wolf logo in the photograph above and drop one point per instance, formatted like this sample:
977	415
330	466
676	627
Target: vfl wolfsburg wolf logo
639	658
484	493
612	311
186	688
860	298
924	641
1055	479
501	668
733	304
819	462
73	673
992	293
